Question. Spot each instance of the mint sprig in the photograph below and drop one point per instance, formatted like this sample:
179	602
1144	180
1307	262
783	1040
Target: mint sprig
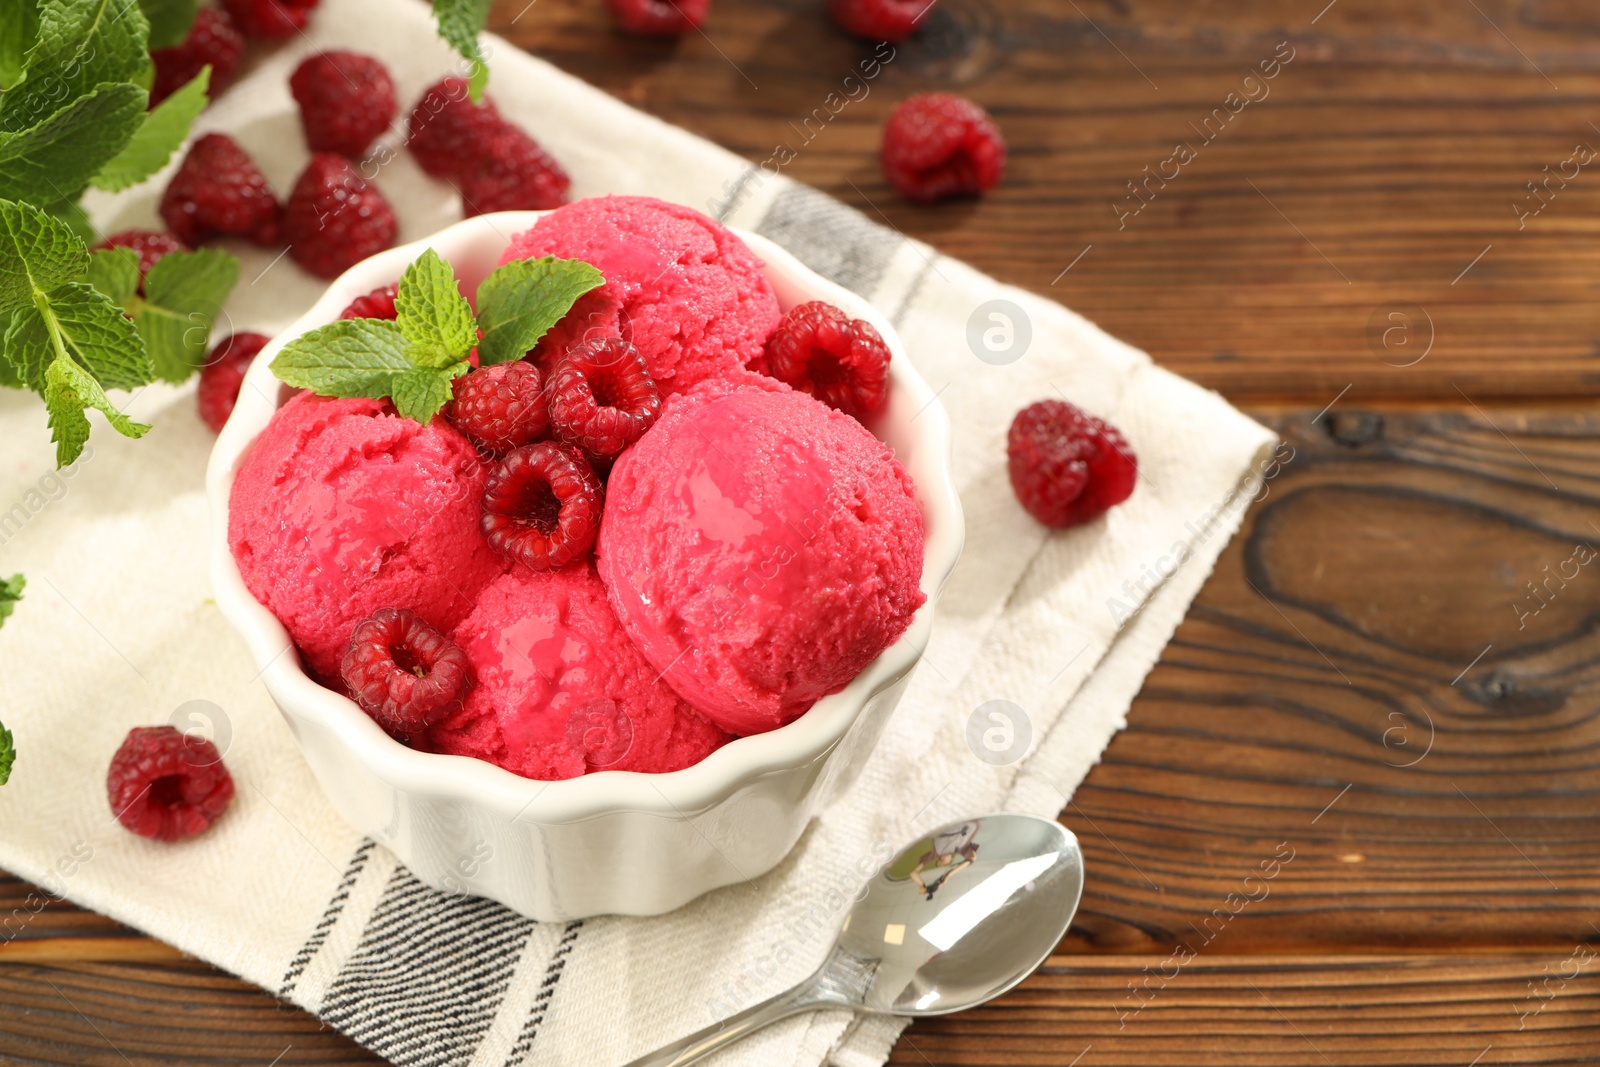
10	593
460	23
8	754
76	327
414	359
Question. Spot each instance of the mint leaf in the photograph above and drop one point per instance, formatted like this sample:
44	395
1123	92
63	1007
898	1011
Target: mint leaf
55	159
19	25
350	357
100	336
77	220
80	44
183	293
10	376
115	272
37	253
520	301
10	592
460	23
82	323
170	20
433	314
68	391
8	753
162	133
419	393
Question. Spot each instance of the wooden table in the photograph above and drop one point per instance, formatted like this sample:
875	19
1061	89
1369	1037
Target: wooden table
1363	685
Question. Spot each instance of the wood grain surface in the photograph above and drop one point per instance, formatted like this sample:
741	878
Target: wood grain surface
1363	699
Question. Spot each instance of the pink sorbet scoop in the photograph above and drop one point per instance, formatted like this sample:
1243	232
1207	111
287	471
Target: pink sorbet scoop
561	690
761	549
682	287
342	507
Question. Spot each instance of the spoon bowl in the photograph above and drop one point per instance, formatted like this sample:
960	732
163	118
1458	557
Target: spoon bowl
959	917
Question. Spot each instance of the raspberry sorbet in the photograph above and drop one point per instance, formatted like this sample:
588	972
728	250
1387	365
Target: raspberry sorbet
561	690
687	292
343	507
761	549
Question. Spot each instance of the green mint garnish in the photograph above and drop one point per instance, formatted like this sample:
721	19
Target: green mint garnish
161	133
68	333
169	20
8	754
518	303
460	23
413	360
10	592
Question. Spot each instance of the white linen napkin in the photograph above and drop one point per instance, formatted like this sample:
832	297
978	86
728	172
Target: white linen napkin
118	630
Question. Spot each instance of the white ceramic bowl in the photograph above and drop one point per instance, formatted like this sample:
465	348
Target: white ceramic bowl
612	841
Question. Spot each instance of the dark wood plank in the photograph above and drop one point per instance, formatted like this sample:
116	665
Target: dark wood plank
1212	1010
1334	692
117	1014
1384	158
1275	1012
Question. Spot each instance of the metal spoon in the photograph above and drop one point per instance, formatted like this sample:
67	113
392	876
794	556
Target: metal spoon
956	919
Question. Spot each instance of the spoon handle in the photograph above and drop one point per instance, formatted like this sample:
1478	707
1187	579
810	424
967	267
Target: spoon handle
718	1036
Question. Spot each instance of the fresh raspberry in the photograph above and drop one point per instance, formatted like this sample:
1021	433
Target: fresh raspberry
879	20
541	505
222	375
602	397
150	244
448	133
516	175
335	218
219	190
403	672
378	304
167	785
1067	466
939	145
212	39
842	362
659	18
500	407
346	100
270	20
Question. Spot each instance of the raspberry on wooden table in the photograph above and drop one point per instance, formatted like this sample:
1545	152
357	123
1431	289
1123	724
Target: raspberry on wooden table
151	245
659	18
940	145
214	40
346	101
501	407
378	304
335	218
879	20
270	20
448	133
515	175
403	672
167	785
218	189
223	374
602	397
541	506
843	362
1067	467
